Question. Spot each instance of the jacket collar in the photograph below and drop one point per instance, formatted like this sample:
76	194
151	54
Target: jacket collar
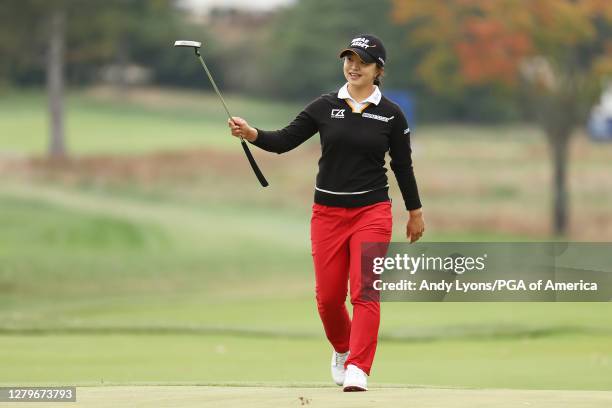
373	98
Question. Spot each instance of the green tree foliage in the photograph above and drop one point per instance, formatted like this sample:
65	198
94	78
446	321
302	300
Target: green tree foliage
558	50
301	53
300	60
42	40
97	33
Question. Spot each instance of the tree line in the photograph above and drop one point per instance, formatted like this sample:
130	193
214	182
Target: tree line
477	60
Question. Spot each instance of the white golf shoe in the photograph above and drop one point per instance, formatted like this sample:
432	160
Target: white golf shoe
337	366
355	379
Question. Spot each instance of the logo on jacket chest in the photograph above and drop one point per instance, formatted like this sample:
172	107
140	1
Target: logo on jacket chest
337	113
377	117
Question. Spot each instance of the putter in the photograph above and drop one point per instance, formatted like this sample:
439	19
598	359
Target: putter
196	47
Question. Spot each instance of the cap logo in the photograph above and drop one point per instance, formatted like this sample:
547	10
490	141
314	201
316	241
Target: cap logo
361	42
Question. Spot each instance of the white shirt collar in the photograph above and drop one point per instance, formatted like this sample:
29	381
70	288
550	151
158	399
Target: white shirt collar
374	97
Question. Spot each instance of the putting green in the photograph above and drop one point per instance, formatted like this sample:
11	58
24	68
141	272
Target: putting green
267	396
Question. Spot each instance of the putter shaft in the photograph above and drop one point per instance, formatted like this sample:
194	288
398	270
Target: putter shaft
247	152
212	81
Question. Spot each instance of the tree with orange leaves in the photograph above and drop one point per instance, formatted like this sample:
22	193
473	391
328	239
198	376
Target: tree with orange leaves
556	51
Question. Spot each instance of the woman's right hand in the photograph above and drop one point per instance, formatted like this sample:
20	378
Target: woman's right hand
240	127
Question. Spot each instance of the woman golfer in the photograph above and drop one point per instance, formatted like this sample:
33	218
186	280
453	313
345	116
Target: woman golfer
357	126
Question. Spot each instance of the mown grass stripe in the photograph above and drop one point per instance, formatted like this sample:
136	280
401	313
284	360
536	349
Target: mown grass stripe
485	333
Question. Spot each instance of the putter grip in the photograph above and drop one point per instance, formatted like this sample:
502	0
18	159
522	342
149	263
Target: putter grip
254	165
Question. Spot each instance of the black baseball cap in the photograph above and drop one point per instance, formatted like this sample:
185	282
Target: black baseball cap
368	47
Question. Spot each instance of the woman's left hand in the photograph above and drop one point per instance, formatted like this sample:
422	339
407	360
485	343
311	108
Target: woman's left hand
415	226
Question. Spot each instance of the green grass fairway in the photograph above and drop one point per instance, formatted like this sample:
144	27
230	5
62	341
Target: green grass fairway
103	121
151	269
126	289
571	362
254	396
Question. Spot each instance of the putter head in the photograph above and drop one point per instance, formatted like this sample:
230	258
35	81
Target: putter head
183	43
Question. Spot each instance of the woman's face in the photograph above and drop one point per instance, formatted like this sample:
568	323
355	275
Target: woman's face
357	72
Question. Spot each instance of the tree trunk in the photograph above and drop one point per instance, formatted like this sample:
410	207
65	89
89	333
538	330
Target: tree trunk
55	83
559	149
122	63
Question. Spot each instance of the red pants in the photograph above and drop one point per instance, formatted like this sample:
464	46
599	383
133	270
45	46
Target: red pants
336	237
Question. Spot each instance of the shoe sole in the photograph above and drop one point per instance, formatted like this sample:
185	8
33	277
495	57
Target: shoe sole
353	388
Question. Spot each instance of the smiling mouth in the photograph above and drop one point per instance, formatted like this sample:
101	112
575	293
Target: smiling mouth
354	76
